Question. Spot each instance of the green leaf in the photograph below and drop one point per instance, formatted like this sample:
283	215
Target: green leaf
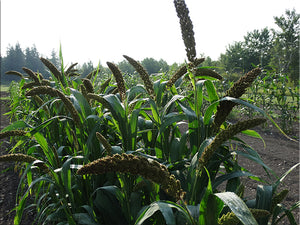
211	91
264	195
275	185
165	207
238	207
253	133
257	109
219	180
81	100
84	219
15	125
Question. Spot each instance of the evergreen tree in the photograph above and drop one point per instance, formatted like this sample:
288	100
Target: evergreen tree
32	60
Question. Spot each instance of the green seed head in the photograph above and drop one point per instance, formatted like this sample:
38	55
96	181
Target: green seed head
225	135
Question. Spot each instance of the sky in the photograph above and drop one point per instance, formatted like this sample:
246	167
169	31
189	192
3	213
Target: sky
105	30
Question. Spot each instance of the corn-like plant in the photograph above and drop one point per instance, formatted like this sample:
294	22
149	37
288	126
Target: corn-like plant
92	151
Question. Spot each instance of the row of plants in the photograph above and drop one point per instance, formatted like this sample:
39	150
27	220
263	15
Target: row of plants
275	94
93	151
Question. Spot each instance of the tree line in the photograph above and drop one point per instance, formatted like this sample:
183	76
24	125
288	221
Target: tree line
276	50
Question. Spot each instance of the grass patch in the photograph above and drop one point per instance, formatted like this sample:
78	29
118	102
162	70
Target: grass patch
4	87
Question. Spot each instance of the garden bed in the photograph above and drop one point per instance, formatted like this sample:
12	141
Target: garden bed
280	154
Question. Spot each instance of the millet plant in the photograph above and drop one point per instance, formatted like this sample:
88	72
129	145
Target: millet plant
156	153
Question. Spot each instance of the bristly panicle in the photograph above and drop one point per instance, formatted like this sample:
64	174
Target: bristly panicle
30	85
41	90
56	93
186	29
119	79
183	70
31	74
136	165
71	71
98	98
104	142
52	69
91	74
239	87
24	158
104	85
236	91
12	133
231	219
225	135
143	73
207	72
69	105
12	72
88	85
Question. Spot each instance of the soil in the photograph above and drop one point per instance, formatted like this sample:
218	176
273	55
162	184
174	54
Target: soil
280	155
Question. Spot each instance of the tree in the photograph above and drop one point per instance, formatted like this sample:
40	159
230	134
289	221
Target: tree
151	65
14	60
86	68
126	67
54	59
234	58
286	45
32	60
257	46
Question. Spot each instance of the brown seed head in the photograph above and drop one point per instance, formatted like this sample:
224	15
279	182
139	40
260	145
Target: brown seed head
11	133
119	78
128	163
12	72
52	69
42	90
23	158
183	70
186	29
143	73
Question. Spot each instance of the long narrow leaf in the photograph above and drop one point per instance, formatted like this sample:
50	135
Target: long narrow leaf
238	207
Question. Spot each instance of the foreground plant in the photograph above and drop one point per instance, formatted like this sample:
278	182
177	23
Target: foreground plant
111	155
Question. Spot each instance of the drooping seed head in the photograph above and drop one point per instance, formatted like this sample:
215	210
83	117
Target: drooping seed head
42	90
12	72
88	85
52	69
69	105
104	142
119	79
143	73
128	163
225	135
24	158
183	70
236	91
31	74
12	133
104	85
207	72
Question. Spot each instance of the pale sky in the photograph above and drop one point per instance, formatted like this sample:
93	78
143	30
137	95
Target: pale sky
104	30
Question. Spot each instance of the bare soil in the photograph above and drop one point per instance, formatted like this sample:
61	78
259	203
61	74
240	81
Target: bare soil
280	154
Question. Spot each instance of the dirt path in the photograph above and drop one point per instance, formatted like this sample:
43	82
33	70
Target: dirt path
280	154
